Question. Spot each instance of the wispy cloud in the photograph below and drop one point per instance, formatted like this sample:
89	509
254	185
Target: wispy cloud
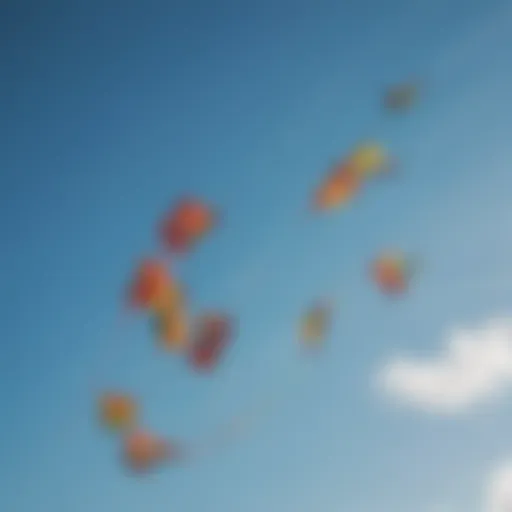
474	365
496	494
498	489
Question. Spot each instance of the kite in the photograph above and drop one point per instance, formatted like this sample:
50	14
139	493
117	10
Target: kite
346	179
144	451
213	333
314	325
171	321
339	188
369	159
401	97
190	221
154	290
150	285
391	273
117	411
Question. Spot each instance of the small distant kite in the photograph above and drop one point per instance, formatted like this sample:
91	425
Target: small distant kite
171	320
338	188
347	178
144	451
213	334
369	160
117	411
315	324
392	273
401	97
154	290
186	224
150	285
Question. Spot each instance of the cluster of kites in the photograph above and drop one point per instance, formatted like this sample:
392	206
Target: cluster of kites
203	340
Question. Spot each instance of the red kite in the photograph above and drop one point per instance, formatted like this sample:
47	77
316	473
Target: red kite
150	285
212	337
340	186
144	451
391	273
186	224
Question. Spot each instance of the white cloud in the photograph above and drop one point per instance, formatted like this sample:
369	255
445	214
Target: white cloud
475	365
498	492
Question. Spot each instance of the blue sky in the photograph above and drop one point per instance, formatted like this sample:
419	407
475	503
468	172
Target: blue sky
110	113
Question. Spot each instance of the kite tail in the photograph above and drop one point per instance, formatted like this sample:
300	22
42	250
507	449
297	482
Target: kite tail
243	424
231	432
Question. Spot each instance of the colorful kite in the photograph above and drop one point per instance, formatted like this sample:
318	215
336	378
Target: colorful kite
346	179
171	320
144	451
184	226
339	188
213	334
117	411
150	285
369	159
391	273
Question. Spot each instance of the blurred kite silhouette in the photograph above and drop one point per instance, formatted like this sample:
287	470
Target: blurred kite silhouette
171	320
118	412
347	178
212	336
150	285
144	451
186	224
315	324
392	272
401	97
338	189
370	159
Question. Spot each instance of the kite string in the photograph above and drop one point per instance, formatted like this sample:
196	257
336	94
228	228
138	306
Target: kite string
240	425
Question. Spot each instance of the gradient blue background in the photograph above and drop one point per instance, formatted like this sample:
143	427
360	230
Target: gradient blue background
109	110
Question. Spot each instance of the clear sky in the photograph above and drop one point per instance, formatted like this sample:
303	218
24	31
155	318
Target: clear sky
110	110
